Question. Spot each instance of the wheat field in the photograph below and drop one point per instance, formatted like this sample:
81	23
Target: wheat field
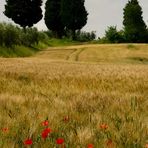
89	96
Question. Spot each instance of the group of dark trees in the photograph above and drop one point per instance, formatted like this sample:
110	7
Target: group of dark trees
135	29
61	16
67	17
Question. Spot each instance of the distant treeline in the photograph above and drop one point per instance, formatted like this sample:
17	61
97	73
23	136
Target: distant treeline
112	35
65	19
11	35
60	15
135	29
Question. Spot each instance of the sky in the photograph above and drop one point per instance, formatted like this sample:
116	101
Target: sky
102	13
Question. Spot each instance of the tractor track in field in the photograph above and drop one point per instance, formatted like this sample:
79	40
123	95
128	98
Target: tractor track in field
74	52
71	54
74	55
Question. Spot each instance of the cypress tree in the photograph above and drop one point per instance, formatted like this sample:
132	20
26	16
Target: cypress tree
36	10
135	28
53	17
24	12
74	15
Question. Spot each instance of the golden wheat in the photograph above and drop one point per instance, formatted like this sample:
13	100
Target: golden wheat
87	94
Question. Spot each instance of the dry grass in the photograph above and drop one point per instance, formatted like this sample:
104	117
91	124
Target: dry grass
76	98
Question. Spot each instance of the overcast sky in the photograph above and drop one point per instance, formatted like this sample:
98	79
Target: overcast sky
102	13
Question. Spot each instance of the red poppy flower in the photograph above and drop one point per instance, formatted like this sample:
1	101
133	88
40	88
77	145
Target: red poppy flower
109	143
28	142
104	126
5	129
47	130
90	146
45	133
66	119
146	146
45	123
60	141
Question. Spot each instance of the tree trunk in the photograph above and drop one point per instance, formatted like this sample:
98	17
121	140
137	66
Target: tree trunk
73	34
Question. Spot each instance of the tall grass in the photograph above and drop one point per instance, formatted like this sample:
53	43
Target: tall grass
104	105
17	51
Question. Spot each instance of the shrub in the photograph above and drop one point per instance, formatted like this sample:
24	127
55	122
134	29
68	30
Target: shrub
10	35
49	33
30	37
43	37
2	27
85	36
113	36
103	40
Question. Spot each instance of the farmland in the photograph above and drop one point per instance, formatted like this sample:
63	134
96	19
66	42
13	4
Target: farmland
88	94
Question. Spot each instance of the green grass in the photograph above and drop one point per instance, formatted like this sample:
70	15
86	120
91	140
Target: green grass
17	51
22	51
62	42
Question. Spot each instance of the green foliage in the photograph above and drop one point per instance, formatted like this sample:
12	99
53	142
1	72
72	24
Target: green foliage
2	27
9	35
15	42
135	28
102	40
43	37
30	37
24	12
62	42
83	36
53	17
49	33
113	36
74	15
17	51
131	46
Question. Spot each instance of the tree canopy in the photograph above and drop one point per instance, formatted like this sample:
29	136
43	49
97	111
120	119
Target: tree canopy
24	12
52	18
135	28
74	14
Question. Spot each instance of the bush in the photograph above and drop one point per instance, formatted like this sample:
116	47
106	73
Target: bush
2	27
30	37
43	37
9	35
49	33
83	36
103	40
113	36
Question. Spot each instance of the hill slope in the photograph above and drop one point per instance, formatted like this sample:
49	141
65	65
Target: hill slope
106	53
